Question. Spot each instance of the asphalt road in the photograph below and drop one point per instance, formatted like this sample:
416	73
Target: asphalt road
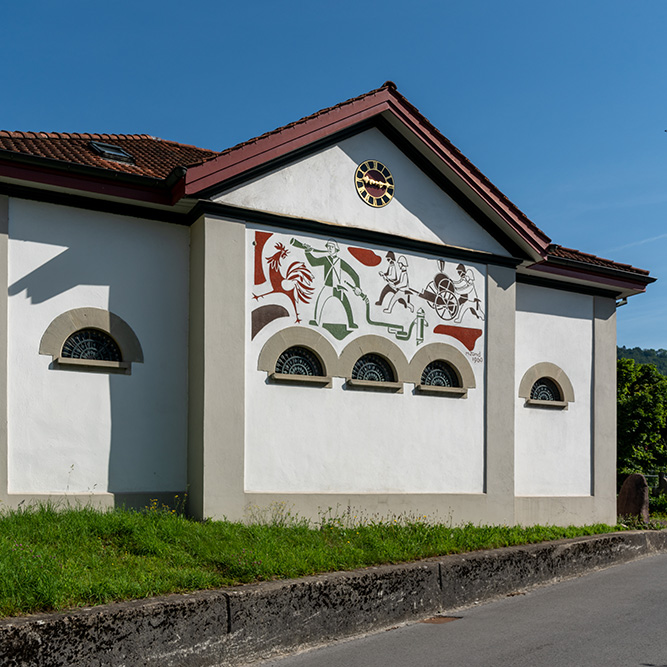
615	617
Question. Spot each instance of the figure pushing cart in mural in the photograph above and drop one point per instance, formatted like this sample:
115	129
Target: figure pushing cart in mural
452	299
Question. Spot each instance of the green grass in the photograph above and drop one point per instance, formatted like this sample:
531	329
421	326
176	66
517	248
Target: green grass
58	558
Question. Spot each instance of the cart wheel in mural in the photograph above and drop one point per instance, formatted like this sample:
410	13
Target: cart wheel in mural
446	305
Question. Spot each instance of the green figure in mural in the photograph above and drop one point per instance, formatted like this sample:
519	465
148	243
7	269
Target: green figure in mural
335	284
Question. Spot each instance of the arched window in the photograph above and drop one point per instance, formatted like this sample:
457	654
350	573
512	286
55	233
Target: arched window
373	363
440	369
546	385
440	374
91	344
373	368
91	339
300	356
545	390
299	360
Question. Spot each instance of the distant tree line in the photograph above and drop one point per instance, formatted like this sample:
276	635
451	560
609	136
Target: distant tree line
656	357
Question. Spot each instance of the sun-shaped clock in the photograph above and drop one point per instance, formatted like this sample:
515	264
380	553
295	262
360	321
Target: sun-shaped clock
374	183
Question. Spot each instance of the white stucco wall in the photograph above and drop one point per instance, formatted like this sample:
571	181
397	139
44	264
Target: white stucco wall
336	440
74	431
321	187
553	447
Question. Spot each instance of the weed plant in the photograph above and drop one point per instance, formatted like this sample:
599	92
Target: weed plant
57	558
657	504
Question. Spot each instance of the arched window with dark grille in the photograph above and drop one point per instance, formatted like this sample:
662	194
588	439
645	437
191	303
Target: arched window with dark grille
298	356
545	389
298	360
91	344
546	385
438	369
91	340
373	368
440	374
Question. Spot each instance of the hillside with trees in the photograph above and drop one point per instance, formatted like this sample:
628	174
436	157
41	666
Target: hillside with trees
656	357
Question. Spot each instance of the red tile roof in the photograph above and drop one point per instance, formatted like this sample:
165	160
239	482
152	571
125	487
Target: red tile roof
577	256
153	157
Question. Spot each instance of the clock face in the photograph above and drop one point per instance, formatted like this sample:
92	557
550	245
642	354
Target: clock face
374	183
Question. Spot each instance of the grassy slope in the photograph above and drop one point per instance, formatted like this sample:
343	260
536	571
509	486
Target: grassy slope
55	559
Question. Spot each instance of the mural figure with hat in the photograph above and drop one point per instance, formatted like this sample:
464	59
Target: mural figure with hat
468	299
335	285
392	278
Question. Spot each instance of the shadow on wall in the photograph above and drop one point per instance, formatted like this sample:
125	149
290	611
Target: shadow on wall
147	438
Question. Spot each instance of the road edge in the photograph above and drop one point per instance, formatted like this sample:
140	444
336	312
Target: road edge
242	624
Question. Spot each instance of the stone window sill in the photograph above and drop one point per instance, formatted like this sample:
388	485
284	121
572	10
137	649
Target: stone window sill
124	367
456	392
317	380
395	387
556	405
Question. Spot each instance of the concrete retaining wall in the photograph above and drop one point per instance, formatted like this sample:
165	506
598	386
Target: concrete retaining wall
242	624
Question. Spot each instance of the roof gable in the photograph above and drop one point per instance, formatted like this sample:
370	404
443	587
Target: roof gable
384	107
321	186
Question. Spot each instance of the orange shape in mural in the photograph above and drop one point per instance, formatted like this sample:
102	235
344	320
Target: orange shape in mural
260	241
467	336
365	256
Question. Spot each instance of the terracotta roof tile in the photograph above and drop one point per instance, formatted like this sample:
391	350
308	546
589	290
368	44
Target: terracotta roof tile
153	157
586	258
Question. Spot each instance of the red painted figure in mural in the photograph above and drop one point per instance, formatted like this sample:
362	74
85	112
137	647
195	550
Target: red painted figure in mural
296	283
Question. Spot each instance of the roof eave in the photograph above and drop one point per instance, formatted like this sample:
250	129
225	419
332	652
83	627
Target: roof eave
45	171
623	283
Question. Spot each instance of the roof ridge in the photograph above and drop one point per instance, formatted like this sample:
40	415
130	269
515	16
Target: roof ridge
386	85
434	130
20	134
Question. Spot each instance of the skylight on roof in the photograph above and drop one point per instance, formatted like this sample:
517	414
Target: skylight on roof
111	152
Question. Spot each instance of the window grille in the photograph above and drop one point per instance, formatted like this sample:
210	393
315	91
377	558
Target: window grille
299	361
373	368
440	374
545	390
91	344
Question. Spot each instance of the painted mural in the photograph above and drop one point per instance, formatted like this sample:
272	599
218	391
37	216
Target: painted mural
341	289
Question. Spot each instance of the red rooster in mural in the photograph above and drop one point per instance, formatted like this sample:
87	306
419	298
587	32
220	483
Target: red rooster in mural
296	283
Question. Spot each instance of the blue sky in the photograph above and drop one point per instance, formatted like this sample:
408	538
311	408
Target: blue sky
562	105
